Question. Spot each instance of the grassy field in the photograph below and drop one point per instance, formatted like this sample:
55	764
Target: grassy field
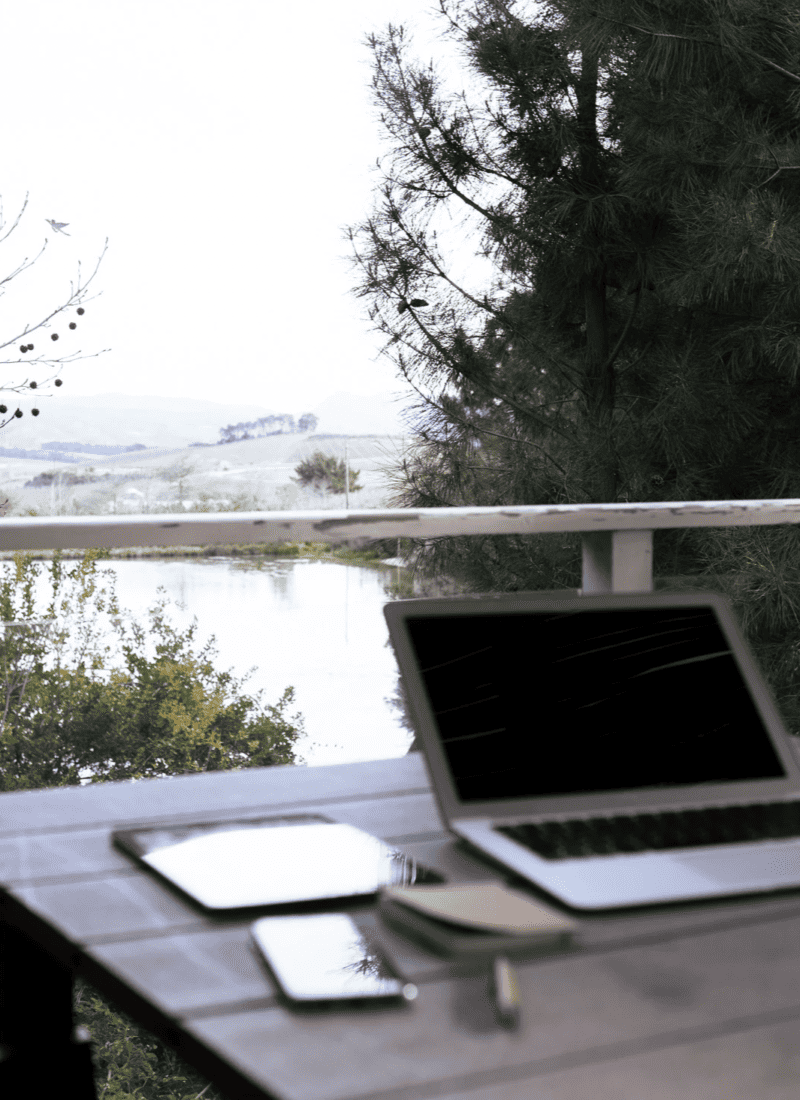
253	475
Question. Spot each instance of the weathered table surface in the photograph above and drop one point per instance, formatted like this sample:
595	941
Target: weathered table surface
680	1002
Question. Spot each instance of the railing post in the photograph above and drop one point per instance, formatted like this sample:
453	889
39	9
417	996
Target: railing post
617	561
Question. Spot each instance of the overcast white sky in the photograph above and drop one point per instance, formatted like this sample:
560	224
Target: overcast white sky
221	146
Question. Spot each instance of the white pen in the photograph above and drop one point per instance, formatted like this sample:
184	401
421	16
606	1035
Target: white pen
505	989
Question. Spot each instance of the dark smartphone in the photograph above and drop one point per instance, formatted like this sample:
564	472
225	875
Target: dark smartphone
324	958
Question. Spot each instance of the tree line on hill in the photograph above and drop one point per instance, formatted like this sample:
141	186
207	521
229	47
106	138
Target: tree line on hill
62	452
278	424
94	448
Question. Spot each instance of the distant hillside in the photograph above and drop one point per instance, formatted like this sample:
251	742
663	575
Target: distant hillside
114	419
67	452
118	420
251	475
91	448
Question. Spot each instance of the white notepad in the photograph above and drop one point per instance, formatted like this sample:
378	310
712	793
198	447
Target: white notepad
489	906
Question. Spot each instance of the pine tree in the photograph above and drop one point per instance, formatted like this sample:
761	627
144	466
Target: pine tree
630	175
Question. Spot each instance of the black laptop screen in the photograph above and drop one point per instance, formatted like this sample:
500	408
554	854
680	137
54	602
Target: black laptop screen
548	703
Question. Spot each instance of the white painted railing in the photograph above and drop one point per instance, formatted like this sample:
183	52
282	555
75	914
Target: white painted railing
617	538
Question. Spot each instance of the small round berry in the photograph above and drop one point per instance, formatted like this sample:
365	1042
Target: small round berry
54	336
34	385
23	348
30	347
34	412
3	408
80	311
72	324
18	412
59	382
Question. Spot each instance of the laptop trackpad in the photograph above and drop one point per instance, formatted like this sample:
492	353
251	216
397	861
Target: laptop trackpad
761	865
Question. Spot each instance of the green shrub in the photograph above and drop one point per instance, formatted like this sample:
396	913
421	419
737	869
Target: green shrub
88	689
327	473
129	1061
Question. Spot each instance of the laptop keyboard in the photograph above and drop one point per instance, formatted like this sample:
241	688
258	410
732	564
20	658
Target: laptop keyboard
600	836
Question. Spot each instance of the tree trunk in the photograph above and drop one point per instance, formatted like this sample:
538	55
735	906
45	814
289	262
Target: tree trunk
598	372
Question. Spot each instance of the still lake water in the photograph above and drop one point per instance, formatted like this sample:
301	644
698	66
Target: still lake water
317	626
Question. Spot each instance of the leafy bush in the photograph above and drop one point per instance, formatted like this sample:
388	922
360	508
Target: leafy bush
88	690
129	1061
327	473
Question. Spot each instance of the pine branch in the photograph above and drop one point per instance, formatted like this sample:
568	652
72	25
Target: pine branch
777	172
483	305
485	384
705	42
480	430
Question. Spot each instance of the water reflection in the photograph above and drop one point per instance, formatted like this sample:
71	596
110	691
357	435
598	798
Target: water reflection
316	625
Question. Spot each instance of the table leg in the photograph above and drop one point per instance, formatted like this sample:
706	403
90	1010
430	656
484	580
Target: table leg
42	1053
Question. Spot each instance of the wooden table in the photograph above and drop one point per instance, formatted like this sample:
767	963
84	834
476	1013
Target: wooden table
701	1001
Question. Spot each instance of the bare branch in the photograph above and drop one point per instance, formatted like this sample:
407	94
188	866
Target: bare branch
78	294
16	220
76	298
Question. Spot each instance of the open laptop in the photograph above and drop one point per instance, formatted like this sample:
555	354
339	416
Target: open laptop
614	750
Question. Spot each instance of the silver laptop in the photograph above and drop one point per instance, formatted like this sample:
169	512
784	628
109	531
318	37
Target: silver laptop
614	750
